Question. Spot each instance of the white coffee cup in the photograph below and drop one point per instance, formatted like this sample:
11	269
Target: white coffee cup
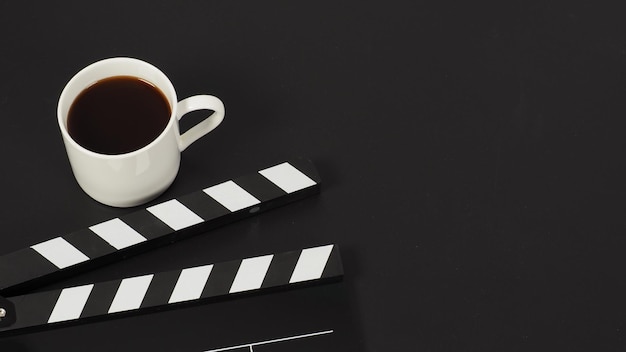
133	178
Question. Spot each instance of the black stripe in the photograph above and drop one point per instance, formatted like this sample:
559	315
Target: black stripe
34	309
333	266
160	289
260	187
203	205
280	269
221	279
100	298
146	224
90	244
22	267
306	167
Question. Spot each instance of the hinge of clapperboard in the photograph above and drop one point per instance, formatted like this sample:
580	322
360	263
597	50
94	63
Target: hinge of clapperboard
160	224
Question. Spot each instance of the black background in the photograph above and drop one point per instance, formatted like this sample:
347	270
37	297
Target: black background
472	153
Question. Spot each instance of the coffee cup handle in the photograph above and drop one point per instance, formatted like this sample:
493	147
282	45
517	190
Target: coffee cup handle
199	102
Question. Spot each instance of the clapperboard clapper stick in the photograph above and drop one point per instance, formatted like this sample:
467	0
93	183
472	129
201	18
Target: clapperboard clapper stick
179	288
154	226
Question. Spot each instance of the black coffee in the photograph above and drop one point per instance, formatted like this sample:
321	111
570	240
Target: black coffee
118	115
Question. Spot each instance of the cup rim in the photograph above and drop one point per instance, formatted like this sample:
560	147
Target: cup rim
170	94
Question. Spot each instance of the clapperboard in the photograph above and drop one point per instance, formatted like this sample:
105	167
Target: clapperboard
273	285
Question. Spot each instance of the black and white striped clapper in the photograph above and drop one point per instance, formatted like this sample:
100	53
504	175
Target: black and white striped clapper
157	225
140	294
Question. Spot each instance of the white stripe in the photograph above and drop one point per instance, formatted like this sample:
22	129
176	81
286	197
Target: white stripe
190	283
175	215
251	273
117	233
131	293
60	252
311	264
232	196
287	177
70	304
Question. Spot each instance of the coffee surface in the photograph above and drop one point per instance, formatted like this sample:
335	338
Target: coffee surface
118	115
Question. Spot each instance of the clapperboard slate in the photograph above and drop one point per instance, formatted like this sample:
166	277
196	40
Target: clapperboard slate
271	302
